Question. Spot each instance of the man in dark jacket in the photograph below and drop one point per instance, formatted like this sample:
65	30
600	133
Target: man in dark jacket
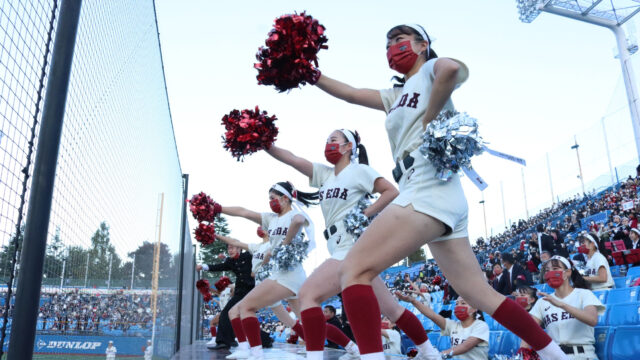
239	263
330	314
500	283
516	273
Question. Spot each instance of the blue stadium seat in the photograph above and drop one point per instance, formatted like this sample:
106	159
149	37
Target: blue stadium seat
603	336
624	314
625	295
602	319
601	295
434	337
406	344
621	282
495	340
539	286
510	344
625	344
444	342
615	271
633	272
493	324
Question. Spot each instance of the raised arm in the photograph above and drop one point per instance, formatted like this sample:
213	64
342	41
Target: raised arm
425	310
365	97
302	165
446	78
233	242
387	192
242	212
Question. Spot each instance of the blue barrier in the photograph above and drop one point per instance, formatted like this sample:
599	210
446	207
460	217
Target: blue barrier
86	345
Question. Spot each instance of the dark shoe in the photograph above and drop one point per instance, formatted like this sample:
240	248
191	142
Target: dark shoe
234	343
219	346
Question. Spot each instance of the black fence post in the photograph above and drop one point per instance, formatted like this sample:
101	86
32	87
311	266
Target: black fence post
183	223
23	329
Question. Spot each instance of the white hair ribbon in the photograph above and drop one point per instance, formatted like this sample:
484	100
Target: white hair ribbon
562	260
297	205
354	144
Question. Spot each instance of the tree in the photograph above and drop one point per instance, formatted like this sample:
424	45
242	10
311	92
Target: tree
100	254
417	256
54	256
143	269
6	254
209	254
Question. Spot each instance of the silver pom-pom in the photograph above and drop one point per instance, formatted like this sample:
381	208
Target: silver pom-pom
288	257
450	141
263	271
356	222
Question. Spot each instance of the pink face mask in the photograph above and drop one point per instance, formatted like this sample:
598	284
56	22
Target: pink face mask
401	57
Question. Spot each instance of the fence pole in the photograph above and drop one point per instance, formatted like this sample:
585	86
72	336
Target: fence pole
86	270
183	224
34	244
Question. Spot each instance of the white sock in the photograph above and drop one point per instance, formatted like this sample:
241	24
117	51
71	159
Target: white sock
352	348
315	355
373	356
427	349
552	352
243	345
257	351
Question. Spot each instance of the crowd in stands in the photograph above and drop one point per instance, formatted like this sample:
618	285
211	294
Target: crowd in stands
114	312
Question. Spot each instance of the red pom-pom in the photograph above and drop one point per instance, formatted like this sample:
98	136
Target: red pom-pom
290	56
437	280
248	131
205	234
204	208
412	353
203	285
222	283
207	297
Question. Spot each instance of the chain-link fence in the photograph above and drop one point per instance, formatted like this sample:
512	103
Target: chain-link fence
113	256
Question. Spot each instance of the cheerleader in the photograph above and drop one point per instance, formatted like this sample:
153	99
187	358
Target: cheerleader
261	253
571	312
469	336
284	225
428	210
597	273
341	187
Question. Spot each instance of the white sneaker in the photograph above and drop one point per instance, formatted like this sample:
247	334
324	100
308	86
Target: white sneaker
240	354
349	356
211	342
423	355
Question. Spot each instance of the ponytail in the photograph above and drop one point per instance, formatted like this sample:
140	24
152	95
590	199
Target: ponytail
576	279
305	198
361	150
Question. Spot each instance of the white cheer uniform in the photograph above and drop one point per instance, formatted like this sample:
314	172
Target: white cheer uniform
563	328
339	195
405	107
596	262
392	345
278	227
478	329
259	251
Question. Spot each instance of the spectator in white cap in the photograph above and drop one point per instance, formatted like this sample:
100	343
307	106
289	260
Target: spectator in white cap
597	272
111	351
148	351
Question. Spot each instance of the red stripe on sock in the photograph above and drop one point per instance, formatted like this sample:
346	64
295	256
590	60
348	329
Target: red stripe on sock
236	324
251	327
411	326
313	322
515	318
337	336
363	313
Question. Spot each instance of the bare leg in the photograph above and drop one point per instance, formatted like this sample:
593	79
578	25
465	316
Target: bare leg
323	283
282	315
266	293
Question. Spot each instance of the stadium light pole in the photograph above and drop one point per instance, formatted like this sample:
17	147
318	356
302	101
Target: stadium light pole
576	146
604	14
484	212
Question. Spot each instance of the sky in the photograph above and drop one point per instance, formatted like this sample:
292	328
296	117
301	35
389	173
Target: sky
532	87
